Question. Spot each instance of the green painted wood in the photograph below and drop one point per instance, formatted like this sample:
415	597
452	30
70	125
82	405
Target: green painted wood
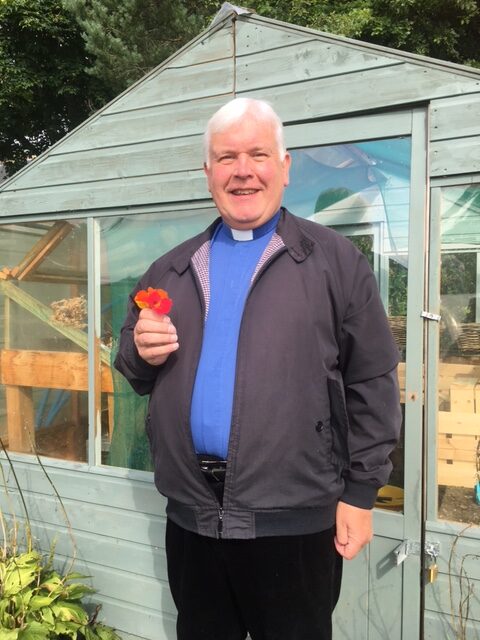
439	626
304	61
458	553
444	595
455	117
433	335
120	192
172	85
87	487
146	560
145	623
448	157
350	616
353	129
217	46
112	522
123	587
385	588
146	158
252	36
371	89
143	125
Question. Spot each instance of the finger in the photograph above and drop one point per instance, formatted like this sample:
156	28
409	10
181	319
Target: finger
157	355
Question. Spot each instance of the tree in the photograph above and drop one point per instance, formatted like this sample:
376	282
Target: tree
44	88
127	38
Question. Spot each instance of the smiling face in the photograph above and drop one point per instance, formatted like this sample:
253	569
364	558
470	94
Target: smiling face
246	175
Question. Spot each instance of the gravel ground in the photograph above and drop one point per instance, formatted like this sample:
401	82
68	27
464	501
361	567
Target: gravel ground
458	504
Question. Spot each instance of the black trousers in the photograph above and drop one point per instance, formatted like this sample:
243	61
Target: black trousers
275	588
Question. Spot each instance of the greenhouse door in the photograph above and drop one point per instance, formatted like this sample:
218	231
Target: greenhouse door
366	177
452	400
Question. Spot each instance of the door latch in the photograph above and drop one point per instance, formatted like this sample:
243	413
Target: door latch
413	548
428	315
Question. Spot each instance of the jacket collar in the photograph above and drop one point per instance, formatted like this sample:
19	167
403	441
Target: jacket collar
298	245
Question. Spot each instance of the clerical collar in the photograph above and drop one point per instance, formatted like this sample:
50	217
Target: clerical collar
243	235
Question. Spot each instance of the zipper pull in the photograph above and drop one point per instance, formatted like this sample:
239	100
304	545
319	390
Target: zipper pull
220	522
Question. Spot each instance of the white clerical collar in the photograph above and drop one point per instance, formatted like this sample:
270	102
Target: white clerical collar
242	234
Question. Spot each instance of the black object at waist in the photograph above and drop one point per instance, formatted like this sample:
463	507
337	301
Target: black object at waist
212	467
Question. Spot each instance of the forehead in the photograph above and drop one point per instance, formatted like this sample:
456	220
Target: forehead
246	133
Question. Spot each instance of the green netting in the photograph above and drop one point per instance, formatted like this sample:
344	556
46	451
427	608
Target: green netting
129	445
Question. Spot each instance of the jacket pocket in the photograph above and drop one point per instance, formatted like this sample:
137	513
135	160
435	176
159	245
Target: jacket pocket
339	421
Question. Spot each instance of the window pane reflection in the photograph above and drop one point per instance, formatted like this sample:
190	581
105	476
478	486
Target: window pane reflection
129	244
43	339
459	367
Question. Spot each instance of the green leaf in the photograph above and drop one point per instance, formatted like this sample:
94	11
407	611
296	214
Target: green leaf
69	612
52	583
8	621
34	631
76	591
9	634
37	602
106	633
69	629
47	617
75	576
20	571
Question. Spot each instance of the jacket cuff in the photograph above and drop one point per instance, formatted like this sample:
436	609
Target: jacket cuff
359	495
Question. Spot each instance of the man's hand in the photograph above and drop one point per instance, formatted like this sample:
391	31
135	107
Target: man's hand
155	337
354	529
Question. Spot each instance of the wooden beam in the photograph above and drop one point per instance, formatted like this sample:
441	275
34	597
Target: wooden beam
44	313
456	474
50	370
41	249
457	423
20	419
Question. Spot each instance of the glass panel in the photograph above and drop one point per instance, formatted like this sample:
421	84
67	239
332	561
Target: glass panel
363	191
129	245
459	365
43	340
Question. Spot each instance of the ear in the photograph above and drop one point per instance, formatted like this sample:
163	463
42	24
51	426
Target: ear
207	171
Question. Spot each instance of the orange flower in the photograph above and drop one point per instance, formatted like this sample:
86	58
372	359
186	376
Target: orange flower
156	299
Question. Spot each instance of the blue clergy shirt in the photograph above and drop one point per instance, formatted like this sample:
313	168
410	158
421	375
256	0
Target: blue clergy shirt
232	264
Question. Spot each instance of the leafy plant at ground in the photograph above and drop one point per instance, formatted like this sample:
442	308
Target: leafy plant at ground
36	601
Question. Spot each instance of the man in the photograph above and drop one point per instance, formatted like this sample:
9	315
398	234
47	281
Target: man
273	399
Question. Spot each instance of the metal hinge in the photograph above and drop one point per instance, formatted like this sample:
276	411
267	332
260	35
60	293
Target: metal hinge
412	548
431	316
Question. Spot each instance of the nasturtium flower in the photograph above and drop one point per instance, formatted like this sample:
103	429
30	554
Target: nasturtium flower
156	299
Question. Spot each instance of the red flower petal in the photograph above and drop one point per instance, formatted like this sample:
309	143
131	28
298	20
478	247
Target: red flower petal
156	299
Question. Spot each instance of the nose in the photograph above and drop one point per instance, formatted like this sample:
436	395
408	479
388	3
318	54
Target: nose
243	166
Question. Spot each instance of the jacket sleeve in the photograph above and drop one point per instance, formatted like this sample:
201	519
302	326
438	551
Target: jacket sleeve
368	364
137	371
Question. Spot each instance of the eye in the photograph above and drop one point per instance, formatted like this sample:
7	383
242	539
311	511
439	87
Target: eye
225	158
260	155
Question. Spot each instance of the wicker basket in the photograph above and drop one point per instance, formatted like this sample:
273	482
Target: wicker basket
398	325
468	340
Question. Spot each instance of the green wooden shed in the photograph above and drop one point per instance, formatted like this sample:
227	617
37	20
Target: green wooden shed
386	149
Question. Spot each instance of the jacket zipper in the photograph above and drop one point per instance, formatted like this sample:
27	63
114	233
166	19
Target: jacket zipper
220	522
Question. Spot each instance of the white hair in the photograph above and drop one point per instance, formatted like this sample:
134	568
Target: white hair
235	110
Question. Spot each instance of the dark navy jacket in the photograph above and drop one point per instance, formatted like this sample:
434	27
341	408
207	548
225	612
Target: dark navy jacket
316	408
